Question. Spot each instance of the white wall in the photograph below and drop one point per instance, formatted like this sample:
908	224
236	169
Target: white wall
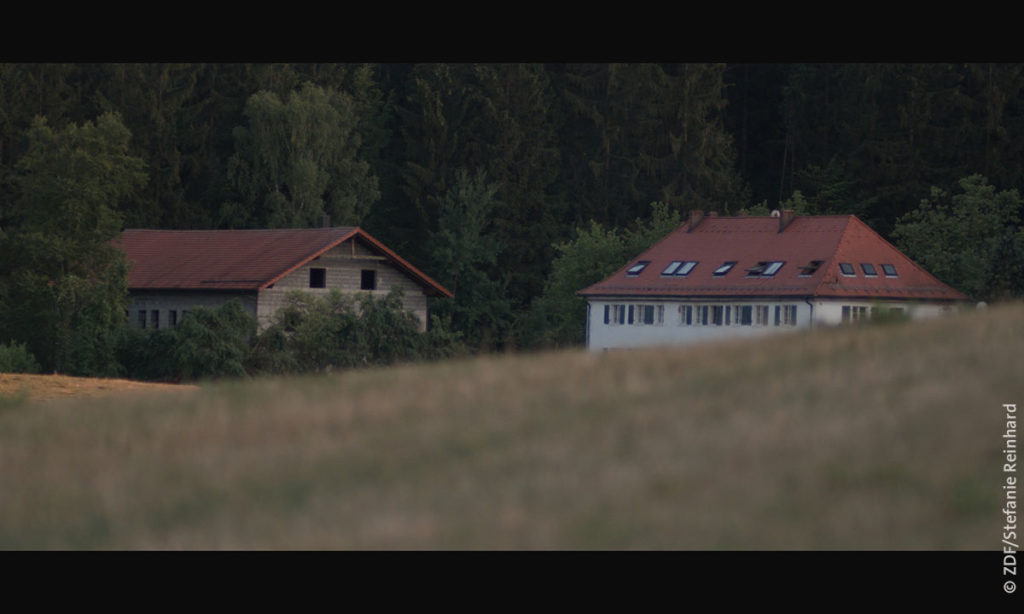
670	331
829	312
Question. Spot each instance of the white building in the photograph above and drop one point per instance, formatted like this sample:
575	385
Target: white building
718	277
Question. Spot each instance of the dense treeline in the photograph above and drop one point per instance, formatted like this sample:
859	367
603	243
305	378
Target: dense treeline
496	179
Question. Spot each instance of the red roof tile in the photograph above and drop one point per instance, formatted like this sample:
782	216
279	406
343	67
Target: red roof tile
832	239
239	259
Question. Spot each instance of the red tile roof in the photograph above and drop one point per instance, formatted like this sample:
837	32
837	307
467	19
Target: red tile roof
832	239
240	259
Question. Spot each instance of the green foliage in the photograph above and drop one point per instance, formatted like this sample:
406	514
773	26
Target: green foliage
63	285
15	358
971	240
464	253
317	333
558	317
298	159
210	343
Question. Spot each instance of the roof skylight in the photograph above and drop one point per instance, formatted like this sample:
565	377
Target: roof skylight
847	269
636	268
679	268
725	268
766	268
810	269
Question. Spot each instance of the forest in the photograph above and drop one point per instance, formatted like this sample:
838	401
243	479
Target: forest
513	185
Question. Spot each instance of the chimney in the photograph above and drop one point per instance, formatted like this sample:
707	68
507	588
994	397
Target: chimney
696	215
785	217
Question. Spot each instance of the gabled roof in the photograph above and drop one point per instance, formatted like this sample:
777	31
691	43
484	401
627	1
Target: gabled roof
751	241
240	259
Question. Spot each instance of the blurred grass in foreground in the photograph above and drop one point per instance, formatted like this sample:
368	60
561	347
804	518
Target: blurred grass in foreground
878	437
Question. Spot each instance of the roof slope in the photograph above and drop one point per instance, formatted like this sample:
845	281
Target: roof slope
239	259
750	240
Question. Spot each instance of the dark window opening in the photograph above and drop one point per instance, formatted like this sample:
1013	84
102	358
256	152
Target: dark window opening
606	310
869	269
317	278
172	318
847	269
154	315
368	280
142	318
630	318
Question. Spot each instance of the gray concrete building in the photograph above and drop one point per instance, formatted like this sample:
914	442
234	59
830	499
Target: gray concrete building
173	271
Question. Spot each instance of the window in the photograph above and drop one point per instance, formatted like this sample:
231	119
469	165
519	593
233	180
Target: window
172	318
634	270
651	314
685	315
368	280
725	268
869	269
630	317
788	315
810	269
889	270
317	278
854	314
702	315
847	269
679	268
142	318
717	315
728	314
744	315
617	313
761	313
154	317
765	269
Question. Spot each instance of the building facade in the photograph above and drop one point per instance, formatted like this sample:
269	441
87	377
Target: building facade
726	277
174	271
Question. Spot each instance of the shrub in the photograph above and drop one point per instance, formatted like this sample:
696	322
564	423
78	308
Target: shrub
15	358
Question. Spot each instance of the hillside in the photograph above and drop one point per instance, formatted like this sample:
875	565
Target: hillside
880	437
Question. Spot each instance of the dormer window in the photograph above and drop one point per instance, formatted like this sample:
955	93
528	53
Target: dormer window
634	270
679	268
810	269
765	268
889	270
869	269
847	269
725	268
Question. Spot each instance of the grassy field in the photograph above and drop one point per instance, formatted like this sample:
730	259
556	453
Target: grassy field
879	437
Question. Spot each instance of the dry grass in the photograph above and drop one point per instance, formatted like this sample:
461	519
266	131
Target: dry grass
880	437
49	387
